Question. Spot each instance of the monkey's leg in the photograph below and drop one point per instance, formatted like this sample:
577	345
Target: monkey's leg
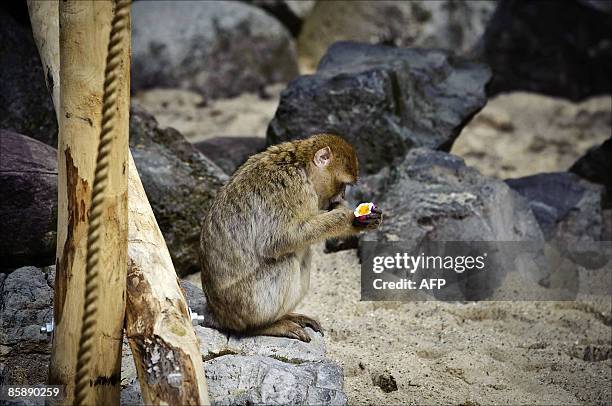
304	321
284	328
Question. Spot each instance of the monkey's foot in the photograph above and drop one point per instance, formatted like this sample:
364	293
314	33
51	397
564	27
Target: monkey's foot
284	328
304	321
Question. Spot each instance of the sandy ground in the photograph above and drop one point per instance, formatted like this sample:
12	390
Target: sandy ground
453	353
459	353
246	115
519	134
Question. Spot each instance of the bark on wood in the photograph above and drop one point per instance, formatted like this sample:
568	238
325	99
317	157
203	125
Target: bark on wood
158	325
83	35
157	319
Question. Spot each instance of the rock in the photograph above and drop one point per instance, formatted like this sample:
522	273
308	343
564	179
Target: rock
28	207
435	196
289	12
519	134
385	381
243	380
221	50
25	103
179	181
450	25
563	203
230	152
596	166
383	100
267	370
544	48
26	302
255	370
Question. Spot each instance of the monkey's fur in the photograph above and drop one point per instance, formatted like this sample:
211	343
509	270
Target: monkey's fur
256	236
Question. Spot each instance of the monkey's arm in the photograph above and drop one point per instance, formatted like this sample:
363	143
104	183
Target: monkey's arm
332	224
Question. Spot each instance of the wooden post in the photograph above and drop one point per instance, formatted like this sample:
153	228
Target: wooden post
156	310
83	37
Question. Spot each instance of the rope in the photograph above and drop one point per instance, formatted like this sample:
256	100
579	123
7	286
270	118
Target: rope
116	43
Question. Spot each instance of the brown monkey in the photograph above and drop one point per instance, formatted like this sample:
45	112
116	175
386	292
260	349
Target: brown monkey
256	237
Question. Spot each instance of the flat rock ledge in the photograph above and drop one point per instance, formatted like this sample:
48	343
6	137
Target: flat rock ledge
239	370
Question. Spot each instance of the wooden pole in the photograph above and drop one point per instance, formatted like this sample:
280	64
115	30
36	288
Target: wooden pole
83	37
152	284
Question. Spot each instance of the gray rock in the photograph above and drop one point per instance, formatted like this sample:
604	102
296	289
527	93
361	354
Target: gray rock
445	24
259	370
242	380
25	103
230	152
179	181
28	207
569	211
543	48
434	195
562	203
26	304
219	49
384	100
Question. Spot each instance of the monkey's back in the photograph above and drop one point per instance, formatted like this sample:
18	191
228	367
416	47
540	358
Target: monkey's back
263	198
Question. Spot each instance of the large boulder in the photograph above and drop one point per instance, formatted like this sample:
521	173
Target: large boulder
433	195
450	25
28	203
384	100
180	183
559	49
25	103
219	49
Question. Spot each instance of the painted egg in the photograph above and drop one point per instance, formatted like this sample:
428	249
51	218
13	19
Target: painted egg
363	209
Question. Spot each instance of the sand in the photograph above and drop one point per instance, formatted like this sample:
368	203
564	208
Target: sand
455	353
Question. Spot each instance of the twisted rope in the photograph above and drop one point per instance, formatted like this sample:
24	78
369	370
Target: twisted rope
116	44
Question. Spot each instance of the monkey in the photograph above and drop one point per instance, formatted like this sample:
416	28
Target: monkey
255	243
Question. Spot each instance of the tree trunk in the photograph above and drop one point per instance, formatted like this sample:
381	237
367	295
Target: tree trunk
158	326
152	283
83	35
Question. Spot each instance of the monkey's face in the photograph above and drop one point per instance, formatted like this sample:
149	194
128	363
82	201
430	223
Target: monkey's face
333	172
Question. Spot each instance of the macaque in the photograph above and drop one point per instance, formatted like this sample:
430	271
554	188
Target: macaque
255	246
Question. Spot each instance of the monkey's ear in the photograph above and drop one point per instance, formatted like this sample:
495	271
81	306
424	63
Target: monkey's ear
322	157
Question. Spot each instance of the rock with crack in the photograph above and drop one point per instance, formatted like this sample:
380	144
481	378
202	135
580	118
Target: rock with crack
221	50
384	100
28	203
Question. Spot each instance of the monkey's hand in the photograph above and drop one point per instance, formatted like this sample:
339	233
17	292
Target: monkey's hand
371	221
